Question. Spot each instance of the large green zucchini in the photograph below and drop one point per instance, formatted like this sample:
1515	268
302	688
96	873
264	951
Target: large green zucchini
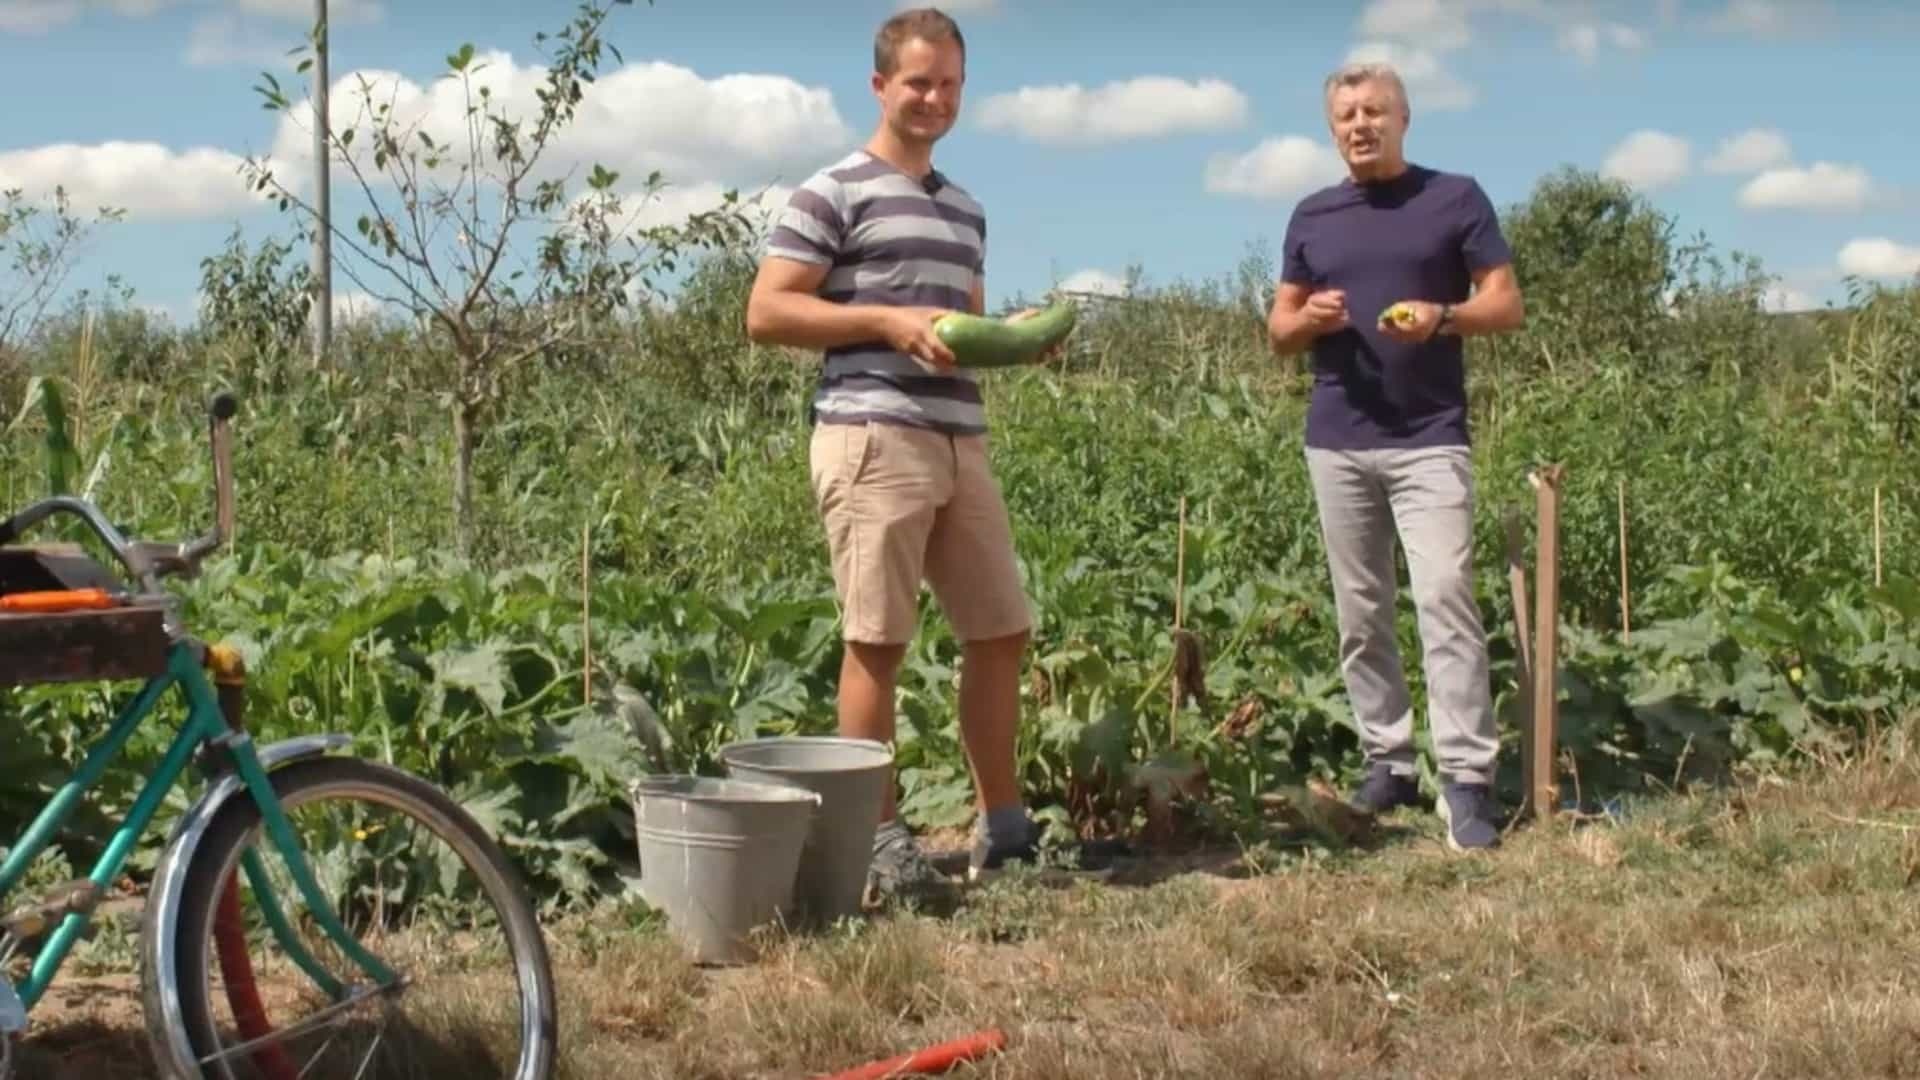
981	342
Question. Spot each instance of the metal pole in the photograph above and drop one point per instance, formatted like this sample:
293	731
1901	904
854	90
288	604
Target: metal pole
323	234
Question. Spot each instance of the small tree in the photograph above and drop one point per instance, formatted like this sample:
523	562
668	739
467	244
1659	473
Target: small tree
439	240
38	248
256	301
1597	263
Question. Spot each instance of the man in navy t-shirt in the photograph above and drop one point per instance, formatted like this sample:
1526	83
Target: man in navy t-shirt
1382	276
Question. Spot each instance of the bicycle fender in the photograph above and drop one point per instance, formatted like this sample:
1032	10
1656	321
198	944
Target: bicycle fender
159	951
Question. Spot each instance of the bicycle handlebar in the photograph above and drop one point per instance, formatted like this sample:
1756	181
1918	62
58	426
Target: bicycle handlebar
149	561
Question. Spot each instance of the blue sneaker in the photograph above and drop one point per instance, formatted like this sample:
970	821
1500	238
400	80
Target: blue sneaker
1470	816
1383	790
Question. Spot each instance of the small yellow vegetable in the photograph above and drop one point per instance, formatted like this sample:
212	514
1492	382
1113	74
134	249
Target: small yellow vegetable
1399	315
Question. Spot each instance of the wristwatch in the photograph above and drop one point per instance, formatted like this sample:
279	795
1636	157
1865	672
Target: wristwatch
1445	325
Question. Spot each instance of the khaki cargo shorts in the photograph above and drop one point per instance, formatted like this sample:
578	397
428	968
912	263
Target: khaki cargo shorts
903	505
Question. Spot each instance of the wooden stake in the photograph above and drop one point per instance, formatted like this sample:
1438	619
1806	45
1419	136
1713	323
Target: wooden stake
1523	645
1179	621
586	613
1878	578
1546	652
1626	610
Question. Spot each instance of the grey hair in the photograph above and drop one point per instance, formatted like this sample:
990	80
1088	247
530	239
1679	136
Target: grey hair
1367	71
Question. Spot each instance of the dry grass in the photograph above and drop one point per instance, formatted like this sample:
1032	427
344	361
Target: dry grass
1760	931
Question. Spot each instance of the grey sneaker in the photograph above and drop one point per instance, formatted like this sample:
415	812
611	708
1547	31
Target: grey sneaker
1384	789
901	871
1082	858
985	860
1470	816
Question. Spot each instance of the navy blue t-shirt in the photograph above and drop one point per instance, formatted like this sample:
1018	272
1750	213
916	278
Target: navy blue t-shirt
1415	237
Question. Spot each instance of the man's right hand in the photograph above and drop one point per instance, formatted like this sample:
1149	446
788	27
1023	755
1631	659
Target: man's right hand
1326	311
910	330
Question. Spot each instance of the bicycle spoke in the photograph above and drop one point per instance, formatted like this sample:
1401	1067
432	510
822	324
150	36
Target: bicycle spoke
315	1059
368	1060
312	1023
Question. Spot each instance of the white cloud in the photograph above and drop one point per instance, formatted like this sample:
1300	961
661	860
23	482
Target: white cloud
1146	107
1094	281
1429	84
1415	36
353	306
1780	298
1278	168
1649	160
263	33
1880	257
40	16
1824	186
675	203
1437	24
35	16
1585	39
747	128
1750	151
1770	18
146	179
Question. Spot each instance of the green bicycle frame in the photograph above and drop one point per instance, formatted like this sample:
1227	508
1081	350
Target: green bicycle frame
205	724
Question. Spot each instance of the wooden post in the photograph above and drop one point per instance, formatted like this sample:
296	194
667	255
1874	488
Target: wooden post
1878	578
1179	622
1546	652
1523	646
1626	608
586	612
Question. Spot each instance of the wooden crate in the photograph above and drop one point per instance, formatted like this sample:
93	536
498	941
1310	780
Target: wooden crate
82	646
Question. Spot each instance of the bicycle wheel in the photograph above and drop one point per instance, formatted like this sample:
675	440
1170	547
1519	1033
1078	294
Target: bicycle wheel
473	974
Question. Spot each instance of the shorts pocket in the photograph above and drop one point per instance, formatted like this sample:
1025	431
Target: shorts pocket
857	451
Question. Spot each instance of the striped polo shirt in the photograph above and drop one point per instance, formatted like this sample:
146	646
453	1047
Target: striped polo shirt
888	240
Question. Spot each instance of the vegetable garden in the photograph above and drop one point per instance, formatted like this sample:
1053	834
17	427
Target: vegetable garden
646	581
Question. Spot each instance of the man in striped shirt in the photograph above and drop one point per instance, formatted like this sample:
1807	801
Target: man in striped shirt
868	252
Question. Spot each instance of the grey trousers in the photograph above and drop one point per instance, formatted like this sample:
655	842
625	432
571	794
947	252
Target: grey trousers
1425	499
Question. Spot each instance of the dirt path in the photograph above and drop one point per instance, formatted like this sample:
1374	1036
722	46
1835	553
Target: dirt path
87	1027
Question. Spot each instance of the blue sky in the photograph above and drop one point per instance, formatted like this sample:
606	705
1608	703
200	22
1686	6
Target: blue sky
1784	129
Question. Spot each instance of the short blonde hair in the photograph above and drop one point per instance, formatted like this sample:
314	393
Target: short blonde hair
1364	72
928	24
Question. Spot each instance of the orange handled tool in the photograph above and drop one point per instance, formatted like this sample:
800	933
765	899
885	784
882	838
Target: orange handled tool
933	1059
53	600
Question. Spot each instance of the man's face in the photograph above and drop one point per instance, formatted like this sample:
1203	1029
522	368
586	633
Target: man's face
920	100
1369	124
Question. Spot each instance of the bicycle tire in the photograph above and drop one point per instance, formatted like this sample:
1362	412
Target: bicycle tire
218	855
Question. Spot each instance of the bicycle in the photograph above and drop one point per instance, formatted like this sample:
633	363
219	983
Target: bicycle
86	625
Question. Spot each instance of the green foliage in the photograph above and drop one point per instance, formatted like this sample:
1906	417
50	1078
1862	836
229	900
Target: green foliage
674	461
1596	261
254	303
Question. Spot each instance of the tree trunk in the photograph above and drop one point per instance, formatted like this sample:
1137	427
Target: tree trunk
463	435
